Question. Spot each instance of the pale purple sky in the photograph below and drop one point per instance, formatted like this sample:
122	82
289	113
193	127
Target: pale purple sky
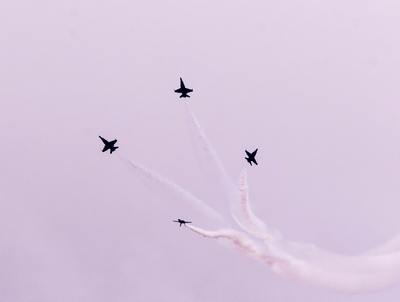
312	84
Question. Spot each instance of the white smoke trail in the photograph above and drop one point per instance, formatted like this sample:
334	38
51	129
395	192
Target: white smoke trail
365	272
373	270
392	245
223	176
355	274
244	216
301	261
343	273
157	178
239	240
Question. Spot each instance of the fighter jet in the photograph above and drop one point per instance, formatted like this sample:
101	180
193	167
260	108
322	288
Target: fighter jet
251	157
181	221
183	90
109	145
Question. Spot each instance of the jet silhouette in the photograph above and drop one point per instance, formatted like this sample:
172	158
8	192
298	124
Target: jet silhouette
183	90
251	157
181	221
109	145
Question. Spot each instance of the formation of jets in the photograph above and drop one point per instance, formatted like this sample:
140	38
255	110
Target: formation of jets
110	145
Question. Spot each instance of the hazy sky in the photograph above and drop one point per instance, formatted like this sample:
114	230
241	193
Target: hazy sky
312	84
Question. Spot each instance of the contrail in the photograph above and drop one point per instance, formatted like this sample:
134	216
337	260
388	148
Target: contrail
212	154
306	262
355	274
239	240
365	272
244	216
157	178
369	271
337	272
391	246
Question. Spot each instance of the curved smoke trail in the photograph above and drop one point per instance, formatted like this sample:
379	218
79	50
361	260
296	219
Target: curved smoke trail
372	270
243	215
393	245
306	262
240	241
160	180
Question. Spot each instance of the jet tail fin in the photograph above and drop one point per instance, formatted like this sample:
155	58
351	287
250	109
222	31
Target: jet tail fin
249	161
113	149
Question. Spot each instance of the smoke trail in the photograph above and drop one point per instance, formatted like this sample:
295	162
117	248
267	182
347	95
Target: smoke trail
343	273
302	262
244	216
392	245
154	177
240	241
308	262
355	274
212	154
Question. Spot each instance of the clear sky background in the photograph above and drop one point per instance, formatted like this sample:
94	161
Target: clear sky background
312	84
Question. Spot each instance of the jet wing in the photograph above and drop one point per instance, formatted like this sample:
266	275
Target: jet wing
254	153
248	153
113	142
103	140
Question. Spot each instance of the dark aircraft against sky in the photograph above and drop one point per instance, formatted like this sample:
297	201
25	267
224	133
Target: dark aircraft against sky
251	157
183	90
181	221
109	145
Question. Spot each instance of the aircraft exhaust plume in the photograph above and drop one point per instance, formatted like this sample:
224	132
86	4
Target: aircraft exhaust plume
303	262
341	273
223	176
390	246
365	272
243	214
158	179
239	240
